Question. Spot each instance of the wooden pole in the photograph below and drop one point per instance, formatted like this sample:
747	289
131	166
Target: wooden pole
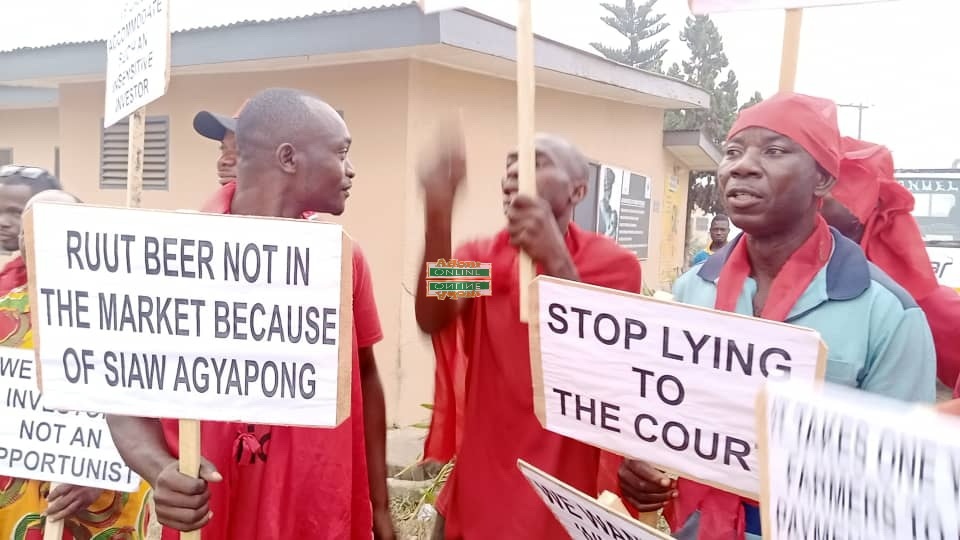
53	530
526	150
190	460
791	49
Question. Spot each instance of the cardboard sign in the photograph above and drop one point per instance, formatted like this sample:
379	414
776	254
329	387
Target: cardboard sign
704	7
191	316
40	443
583	516
841	463
138	58
672	384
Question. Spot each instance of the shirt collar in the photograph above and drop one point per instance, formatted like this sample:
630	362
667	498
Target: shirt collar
846	276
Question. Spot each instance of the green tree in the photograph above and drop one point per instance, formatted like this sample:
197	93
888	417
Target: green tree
637	23
705	69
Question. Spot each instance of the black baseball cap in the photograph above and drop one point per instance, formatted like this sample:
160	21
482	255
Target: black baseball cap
213	126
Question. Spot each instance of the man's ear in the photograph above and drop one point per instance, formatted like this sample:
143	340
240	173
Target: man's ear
286	156
824	184
579	192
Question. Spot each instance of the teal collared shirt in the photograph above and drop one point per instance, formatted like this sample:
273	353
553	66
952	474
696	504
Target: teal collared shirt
878	339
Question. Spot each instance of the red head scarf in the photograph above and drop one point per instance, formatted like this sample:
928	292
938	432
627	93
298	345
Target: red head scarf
891	237
809	121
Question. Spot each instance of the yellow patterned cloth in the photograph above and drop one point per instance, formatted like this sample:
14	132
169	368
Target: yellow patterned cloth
114	516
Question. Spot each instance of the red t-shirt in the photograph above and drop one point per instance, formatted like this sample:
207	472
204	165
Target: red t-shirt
292	482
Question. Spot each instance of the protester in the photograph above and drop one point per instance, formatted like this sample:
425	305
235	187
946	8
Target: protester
780	160
871	208
483	406
17	184
221	128
87	512
719	230
293	162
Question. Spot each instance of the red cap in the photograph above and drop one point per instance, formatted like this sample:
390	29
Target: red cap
809	121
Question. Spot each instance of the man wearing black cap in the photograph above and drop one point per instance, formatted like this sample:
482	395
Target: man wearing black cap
224	129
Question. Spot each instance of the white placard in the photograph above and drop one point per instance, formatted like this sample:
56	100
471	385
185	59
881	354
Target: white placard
841	463
39	443
946	265
190	315
703	7
672	384
138	58
582	516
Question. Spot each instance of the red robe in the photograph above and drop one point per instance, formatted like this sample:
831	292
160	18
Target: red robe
13	275
892	240
289	482
483	405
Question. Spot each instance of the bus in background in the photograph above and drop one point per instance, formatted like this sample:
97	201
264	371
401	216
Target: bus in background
936	193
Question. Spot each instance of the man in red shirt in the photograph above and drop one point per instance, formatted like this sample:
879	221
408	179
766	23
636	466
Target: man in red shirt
483	405
223	129
315	482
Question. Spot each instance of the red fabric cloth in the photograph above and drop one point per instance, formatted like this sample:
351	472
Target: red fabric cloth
809	121
892	240
13	275
483	406
721	512
313	483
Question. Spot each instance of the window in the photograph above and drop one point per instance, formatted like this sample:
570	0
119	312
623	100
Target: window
114	149
6	156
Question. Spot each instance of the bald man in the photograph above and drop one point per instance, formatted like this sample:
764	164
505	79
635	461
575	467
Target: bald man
273	482
483	407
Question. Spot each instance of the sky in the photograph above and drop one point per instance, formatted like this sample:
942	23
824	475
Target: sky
899	57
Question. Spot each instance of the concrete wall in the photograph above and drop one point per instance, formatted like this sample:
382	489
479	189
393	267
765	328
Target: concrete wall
391	109
32	134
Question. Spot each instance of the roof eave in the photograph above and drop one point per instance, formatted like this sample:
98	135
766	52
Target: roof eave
693	148
389	28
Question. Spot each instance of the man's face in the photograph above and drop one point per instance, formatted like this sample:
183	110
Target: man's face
227	163
719	231
768	182
325	173
13	199
554	183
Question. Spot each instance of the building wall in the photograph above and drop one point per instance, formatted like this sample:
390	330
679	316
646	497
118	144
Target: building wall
391	109
32	134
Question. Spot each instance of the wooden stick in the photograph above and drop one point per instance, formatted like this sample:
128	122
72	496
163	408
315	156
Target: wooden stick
53	530
526	151
138	130
791	49
190	460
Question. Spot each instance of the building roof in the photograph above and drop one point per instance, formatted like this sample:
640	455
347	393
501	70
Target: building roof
693	148
461	39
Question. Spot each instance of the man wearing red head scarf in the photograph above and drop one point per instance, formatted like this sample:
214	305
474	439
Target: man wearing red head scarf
483	407
781	159
870	207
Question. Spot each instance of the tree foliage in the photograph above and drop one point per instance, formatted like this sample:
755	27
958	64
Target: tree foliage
705	68
637	23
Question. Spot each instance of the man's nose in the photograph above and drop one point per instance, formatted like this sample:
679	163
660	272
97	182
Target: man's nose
748	164
348	169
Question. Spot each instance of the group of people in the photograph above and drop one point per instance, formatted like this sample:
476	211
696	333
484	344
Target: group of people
827	243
